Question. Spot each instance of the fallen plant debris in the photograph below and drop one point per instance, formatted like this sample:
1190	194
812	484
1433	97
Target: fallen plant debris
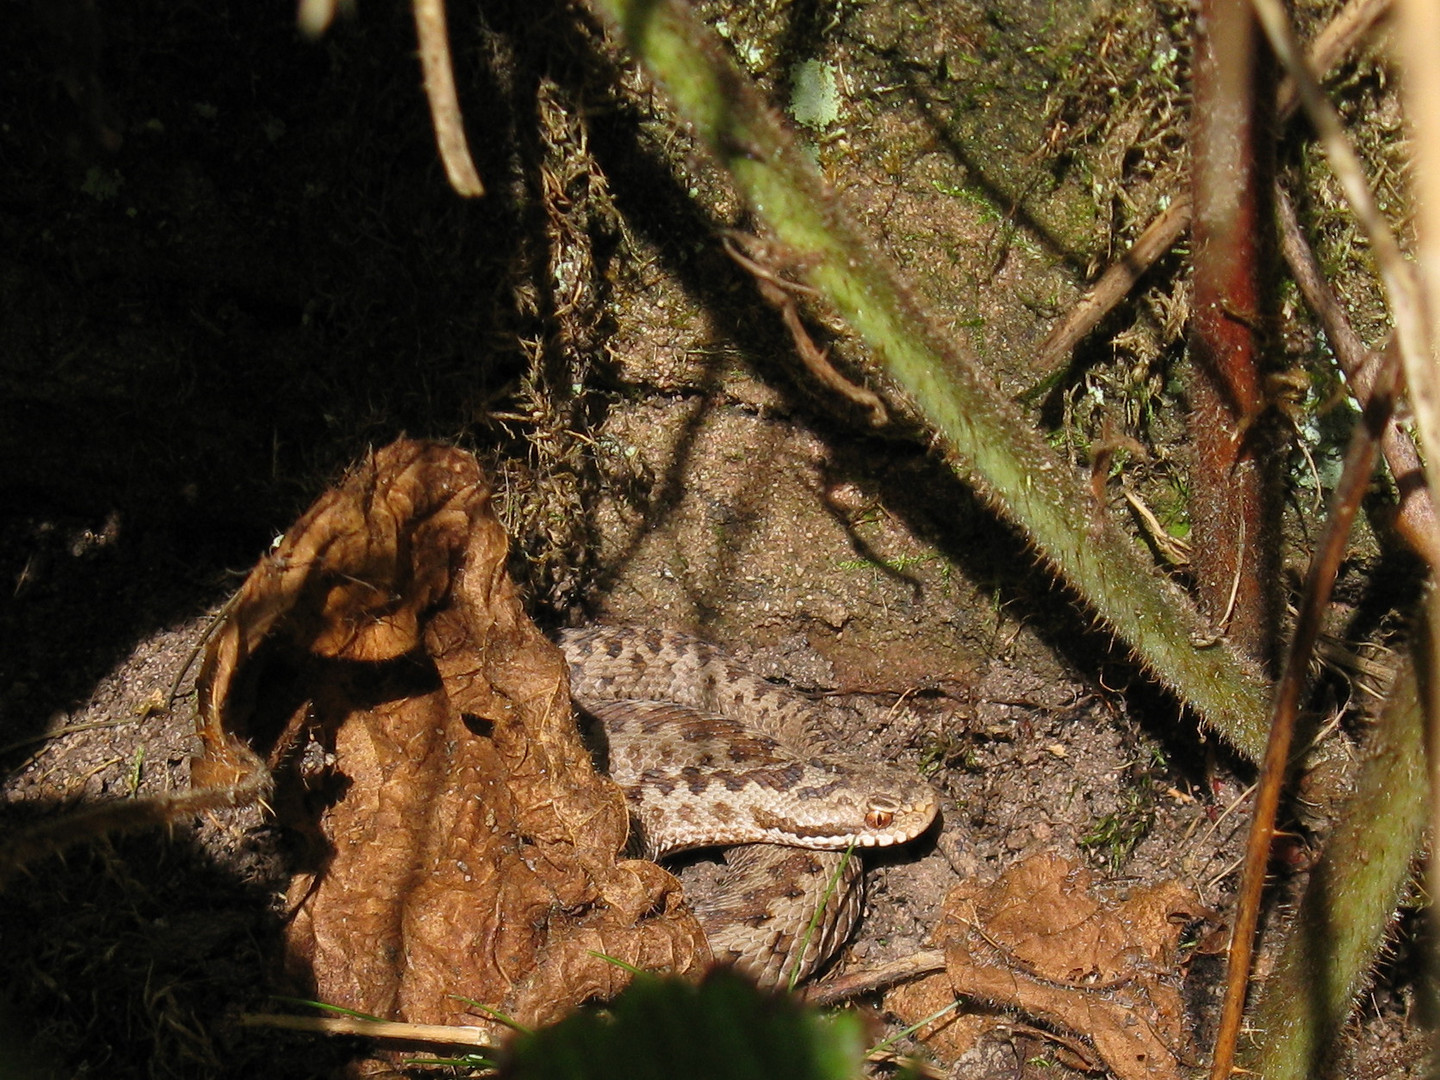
1039	943
420	730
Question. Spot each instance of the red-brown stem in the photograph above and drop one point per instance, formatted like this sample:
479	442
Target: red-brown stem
1234	491
1319	581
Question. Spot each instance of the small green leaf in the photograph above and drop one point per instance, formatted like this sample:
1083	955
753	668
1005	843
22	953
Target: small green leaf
721	1029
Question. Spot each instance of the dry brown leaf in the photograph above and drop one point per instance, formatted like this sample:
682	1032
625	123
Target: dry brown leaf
466	845
1039	943
947	1036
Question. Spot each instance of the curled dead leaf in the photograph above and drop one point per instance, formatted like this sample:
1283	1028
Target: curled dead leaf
1039	942
420	730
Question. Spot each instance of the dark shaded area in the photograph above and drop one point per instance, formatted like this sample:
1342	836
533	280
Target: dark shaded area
208	323
135	960
230	264
938	507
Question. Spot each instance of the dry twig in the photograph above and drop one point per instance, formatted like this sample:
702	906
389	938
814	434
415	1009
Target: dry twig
855	983
440	92
1359	466
1415	513
432	1034
779	293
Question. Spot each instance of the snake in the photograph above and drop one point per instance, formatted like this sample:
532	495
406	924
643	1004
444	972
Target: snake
709	754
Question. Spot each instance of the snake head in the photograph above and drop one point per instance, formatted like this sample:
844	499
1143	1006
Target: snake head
842	803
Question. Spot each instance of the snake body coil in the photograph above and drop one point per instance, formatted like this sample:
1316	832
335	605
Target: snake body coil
709	754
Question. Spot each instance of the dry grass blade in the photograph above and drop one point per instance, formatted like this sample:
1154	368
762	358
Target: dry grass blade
434	1034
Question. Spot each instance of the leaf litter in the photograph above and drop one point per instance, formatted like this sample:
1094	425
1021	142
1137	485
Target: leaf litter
461	845
1039	943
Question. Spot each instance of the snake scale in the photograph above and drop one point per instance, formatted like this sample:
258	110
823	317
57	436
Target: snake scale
709	754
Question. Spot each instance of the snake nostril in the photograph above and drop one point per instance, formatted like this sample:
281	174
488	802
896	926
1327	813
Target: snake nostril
879	819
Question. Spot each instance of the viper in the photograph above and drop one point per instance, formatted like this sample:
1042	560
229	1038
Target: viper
710	754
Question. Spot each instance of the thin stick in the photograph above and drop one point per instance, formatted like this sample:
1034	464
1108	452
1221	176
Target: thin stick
1352	353
1117	281
854	983
780	294
372	1029
1359	466
1395	272
444	104
61	732
1415	518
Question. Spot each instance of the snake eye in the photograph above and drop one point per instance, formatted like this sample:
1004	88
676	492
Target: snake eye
879	819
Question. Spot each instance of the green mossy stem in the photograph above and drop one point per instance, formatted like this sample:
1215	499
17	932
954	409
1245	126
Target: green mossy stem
1350	901
1007	460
